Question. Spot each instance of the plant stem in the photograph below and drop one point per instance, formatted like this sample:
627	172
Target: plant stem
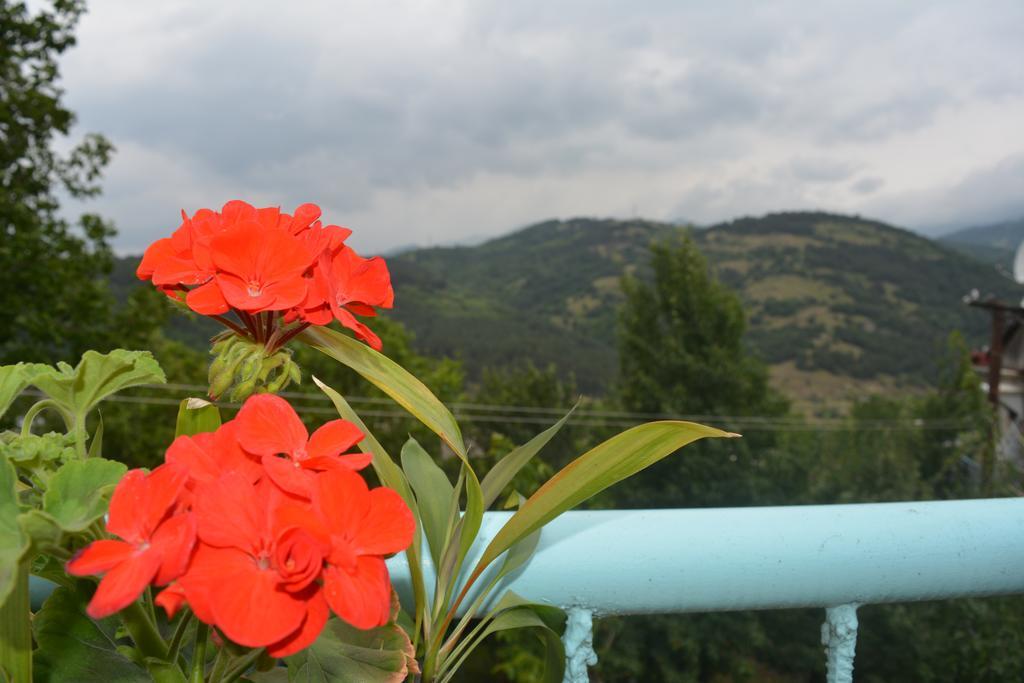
179	635
16	628
38	407
230	325
143	631
242	665
199	654
219	664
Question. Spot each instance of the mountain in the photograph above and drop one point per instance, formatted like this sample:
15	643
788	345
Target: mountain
996	243
839	306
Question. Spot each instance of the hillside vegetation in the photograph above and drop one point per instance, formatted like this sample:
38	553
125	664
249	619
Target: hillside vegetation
839	307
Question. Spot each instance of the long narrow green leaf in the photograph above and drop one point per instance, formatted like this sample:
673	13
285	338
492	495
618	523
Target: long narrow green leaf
96	442
507	468
514	612
435	496
619	457
392	379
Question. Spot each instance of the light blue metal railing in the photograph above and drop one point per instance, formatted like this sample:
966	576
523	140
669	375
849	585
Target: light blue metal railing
838	557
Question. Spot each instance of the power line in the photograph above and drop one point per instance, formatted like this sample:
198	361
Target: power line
585	419
468	410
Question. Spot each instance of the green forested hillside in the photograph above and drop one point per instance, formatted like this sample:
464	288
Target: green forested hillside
840	307
996	243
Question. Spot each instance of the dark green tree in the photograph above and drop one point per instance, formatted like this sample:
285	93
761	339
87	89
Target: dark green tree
682	353
52	274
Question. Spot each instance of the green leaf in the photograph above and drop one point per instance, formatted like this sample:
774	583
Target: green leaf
96	443
507	468
96	376
392	379
196	416
616	459
73	647
78	493
13	380
42	531
435	496
514	612
13	541
33	450
344	653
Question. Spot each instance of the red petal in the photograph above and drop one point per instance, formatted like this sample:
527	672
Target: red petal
343	500
349	461
286	292
123	584
334	437
304	215
129	496
389	526
173	541
312	625
207	299
171	599
268	425
362	598
98	557
362	331
236	210
289	476
245	600
230	514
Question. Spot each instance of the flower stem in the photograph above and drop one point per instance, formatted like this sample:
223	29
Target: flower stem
231	325
199	654
242	665
16	629
143	631
179	635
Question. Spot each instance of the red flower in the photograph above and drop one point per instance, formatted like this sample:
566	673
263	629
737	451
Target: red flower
363	525
208	456
255	572
157	540
268	426
257	262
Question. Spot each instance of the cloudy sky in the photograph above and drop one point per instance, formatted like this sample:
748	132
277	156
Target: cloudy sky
432	121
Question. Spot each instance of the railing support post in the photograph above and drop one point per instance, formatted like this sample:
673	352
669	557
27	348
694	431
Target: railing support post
839	636
579	645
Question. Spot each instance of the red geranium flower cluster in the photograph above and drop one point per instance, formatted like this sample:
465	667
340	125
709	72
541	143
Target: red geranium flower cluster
260	528
261	261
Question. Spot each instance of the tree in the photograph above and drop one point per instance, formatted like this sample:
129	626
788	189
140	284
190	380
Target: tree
681	352
52	275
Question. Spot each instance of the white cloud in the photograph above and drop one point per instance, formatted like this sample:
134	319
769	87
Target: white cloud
422	121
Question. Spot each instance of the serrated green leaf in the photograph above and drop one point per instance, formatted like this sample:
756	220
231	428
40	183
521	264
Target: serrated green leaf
506	469
13	380
96	376
344	653
73	647
78	493
392	379
196	416
435	496
32	450
13	541
41	530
